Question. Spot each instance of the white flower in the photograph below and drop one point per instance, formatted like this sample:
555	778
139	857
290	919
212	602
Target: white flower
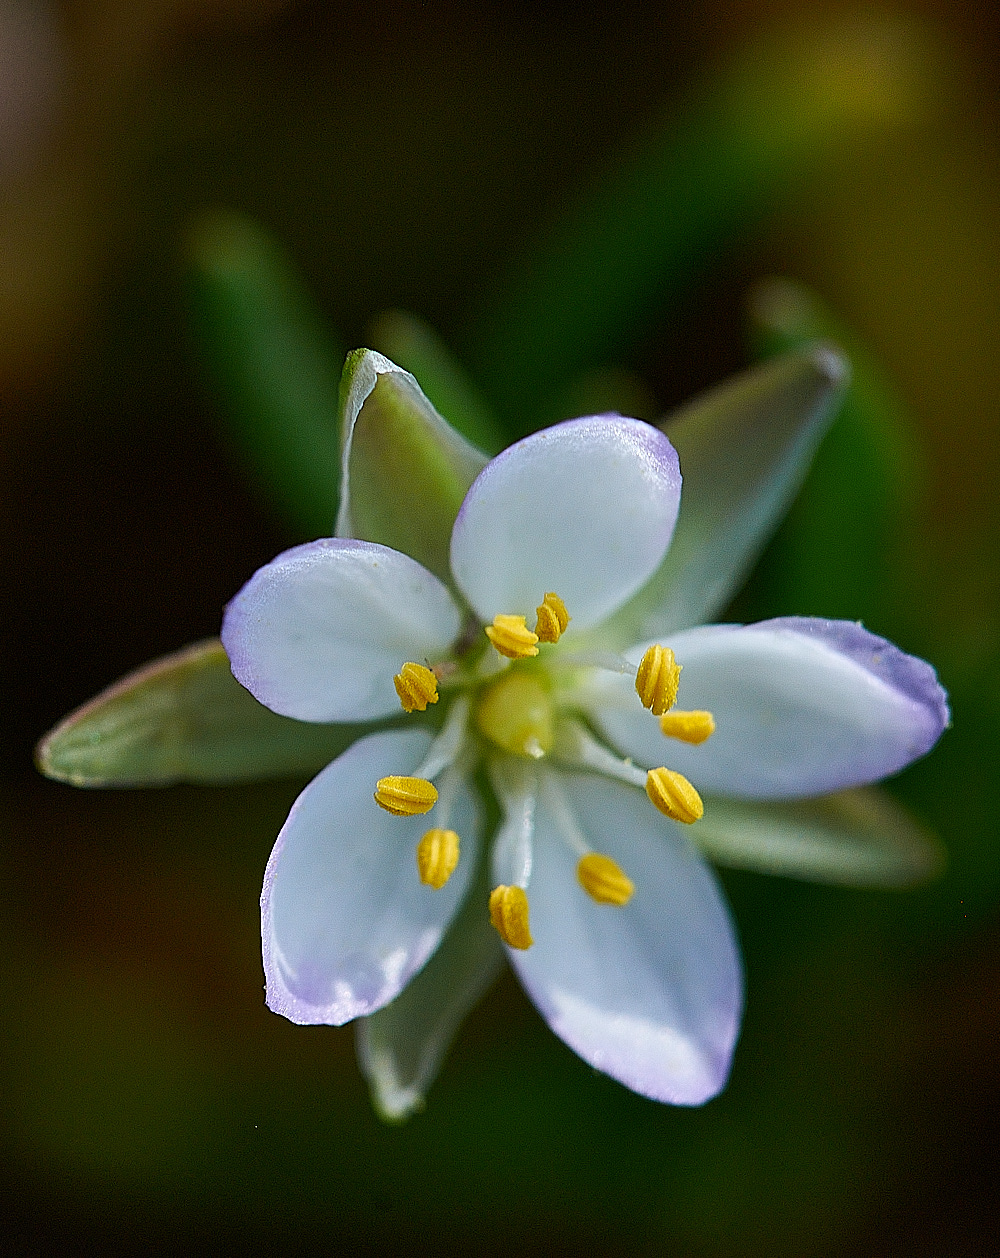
610	915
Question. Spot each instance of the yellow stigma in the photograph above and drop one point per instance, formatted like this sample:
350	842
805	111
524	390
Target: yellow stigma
515	712
437	856
657	678
552	618
416	686
689	727
674	795
509	915
604	880
405	797
512	637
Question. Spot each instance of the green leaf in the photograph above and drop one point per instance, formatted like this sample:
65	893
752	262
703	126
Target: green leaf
754	135
744	448
274	364
406	470
417	348
185	718
840	551
856	838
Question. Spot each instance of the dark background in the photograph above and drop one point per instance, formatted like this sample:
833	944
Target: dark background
407	155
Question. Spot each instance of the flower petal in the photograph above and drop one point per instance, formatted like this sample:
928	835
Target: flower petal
744	448
802	706
651	992
586	509
345	920
320	631
857	838
402	1046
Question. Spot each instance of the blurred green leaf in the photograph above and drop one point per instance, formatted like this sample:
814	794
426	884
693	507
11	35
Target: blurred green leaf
413	344
408	469
185	718
754	135
274	364
839	553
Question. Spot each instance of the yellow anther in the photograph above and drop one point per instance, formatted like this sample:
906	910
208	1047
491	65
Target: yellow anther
674	795
604	880
416	686
689	727
437	856
552	618
512	637
657	678
405	797
509	915
515	712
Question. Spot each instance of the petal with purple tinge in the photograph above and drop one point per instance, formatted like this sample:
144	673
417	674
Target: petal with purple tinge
650	992
345	920
586	509
802	707
319	632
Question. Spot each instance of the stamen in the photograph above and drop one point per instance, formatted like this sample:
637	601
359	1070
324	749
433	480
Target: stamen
405	797
416	687
448	745
674	795
657	678
689	727
512	637
509	915
552	618
437	857
604	880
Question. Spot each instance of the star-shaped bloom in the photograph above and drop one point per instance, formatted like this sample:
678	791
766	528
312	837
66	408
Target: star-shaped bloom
549	659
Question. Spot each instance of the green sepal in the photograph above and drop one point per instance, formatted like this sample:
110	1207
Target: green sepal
744	448
839	553
402	1046
855	838
185	718
405	470
418	349
274	364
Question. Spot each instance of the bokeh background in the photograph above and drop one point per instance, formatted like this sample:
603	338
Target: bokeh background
436	157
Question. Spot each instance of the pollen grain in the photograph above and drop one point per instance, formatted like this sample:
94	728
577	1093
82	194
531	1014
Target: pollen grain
674	795
512	637
416	686
604	880
405	797
509	915
657	678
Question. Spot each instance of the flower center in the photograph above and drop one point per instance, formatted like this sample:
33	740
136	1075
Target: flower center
512	702
515	713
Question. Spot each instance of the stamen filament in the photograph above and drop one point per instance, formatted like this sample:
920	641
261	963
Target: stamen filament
509	916
674	796
512	637
575	745
445	749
